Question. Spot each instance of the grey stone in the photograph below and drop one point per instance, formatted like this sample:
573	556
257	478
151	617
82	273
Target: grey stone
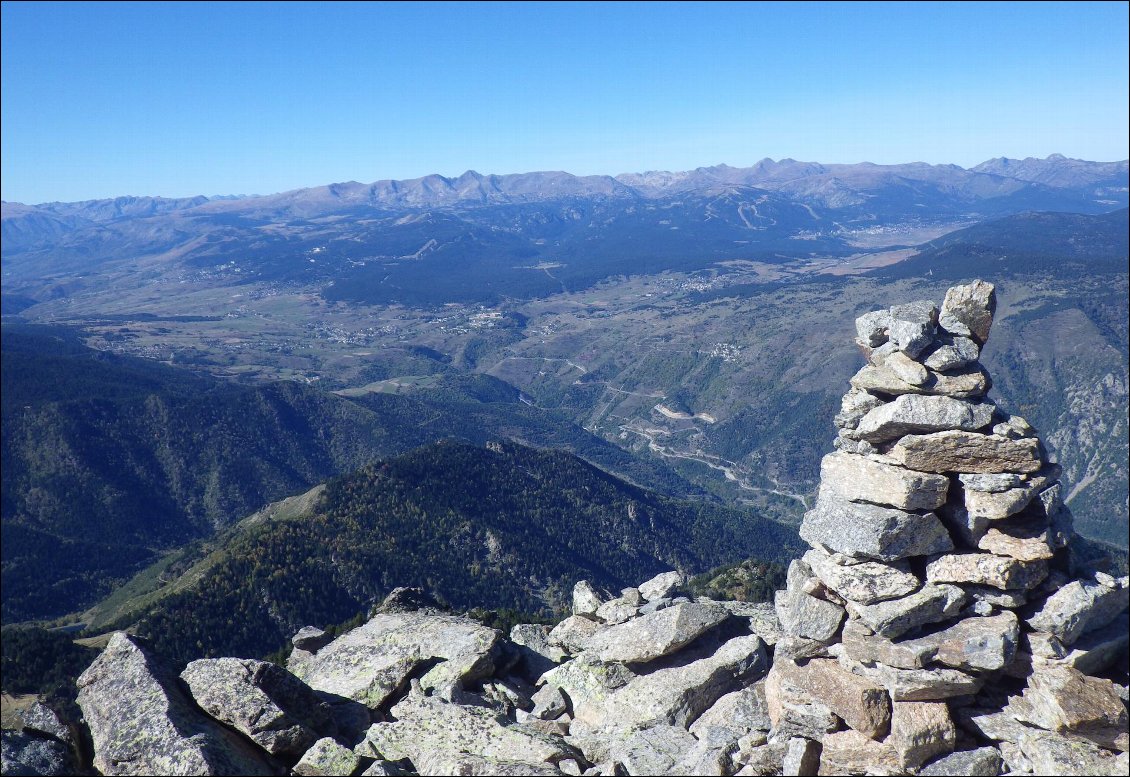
974	644
995	724
912	326
574	632
861	703
867	531
921	731
763	620
854	405
872	328
1063	699
995	596
801	757
792	710
861	645
618	610
650	636
441	763
1097	650
265	702
1024	540
25	754
426	726
654	750
141	723
896	617
997	505
549	703
805	616
38	717
914	414
326	758
1013	427
1079	607
537	655
863	583
968	310
967	383
586	599
655	606
736	714
963	451
662	586
311	639
369	663
863	479
919	684
993	482
982	762
679	689
704	759
952	353
906	368
987	569
586	682
1054	754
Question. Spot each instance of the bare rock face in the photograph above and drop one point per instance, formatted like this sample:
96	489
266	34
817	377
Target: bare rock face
141	723
24	753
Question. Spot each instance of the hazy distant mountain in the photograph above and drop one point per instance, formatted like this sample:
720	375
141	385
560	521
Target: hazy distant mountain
482	238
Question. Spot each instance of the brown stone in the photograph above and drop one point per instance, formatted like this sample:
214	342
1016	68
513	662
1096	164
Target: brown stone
921	731
969	452
987	569
849	752
861	703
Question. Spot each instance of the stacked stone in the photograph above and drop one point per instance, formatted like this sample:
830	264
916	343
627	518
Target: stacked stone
938	574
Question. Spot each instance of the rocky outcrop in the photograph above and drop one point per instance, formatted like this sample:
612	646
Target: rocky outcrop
935	626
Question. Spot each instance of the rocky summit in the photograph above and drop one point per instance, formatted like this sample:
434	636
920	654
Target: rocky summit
937	626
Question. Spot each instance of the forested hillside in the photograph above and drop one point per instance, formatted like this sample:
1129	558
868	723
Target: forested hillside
504	526
109	461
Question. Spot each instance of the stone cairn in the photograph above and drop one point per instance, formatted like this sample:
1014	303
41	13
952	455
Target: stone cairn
935	622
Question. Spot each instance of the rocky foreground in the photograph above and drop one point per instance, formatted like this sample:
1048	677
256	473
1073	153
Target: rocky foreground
936	627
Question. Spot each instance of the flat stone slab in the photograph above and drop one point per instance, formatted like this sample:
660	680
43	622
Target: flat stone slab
911	414
650	636
966	383
867	531
863	583
426	726
679	689
974	644
863	479
894	618
861	645
966	452
987	569
951	353
920	684
372	661
1066	700
662	586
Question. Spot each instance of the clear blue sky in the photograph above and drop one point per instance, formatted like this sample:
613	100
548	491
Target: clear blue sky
180	99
